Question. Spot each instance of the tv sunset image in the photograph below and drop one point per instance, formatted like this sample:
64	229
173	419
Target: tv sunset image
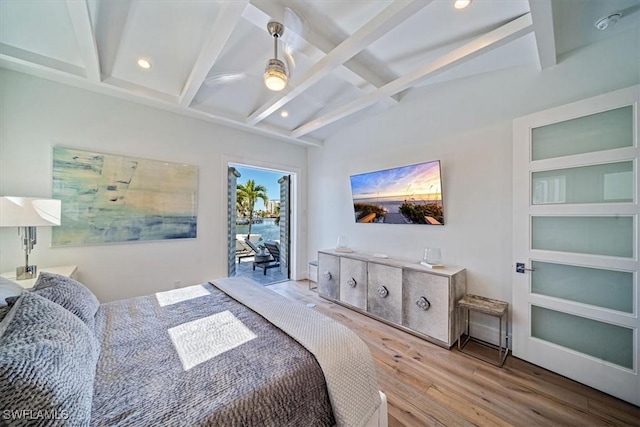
405	195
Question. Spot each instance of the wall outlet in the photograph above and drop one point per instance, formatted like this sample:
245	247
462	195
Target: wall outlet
177	284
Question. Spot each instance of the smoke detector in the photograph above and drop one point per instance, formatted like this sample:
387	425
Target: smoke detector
608	21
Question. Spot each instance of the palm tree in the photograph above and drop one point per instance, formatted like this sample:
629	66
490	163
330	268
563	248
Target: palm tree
249	194
241	206
277	212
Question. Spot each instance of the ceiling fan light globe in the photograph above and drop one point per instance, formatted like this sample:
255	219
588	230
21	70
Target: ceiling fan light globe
275	76
275	82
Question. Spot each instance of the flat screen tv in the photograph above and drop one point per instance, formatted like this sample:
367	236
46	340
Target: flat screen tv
405	195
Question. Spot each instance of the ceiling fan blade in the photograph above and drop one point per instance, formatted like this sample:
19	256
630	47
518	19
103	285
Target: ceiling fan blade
294	30
292	38
224	78
290	61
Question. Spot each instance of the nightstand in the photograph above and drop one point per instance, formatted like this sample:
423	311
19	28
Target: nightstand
66	270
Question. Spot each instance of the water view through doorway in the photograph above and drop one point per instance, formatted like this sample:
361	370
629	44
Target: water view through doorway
259	196
267	229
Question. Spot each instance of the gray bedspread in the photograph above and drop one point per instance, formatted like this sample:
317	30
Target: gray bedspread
344	358
196	357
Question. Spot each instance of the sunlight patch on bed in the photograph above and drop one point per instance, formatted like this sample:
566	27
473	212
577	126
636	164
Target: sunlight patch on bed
206	338
175	296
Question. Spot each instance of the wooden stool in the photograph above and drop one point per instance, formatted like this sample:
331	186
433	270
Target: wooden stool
499	309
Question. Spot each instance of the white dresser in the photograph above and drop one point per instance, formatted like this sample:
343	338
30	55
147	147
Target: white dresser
65	270
404	294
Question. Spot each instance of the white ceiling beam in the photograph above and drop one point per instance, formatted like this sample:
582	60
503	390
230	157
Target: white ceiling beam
316	47
542	17
111	24
226	21
81	20
385	21
21	57
481	45
143	92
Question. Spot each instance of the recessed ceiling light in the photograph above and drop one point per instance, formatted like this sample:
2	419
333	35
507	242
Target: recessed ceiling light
284	113
461	4
144	63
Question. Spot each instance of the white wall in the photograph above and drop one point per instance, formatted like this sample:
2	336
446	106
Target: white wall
467	124
37	114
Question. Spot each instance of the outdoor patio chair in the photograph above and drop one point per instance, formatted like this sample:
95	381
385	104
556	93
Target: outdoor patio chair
260	257
243	250
252	246
274	259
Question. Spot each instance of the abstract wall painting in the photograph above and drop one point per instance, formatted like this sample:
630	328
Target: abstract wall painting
109	198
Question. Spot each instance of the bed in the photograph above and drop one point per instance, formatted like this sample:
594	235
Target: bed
205	355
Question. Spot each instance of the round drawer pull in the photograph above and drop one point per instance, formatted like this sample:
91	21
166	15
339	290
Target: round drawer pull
327	275
383	292
423	303
352	282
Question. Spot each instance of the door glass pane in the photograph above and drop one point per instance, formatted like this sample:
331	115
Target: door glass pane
606	183
594	286
604	341
604	235
596	132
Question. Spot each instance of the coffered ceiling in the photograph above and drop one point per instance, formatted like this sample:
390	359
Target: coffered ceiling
347	59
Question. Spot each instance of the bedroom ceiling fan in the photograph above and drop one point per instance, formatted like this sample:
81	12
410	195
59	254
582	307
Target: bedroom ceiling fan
275	75
277	70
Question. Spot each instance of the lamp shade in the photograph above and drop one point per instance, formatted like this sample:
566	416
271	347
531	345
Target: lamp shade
29	212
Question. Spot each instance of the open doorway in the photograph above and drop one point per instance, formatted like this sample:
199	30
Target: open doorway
259	226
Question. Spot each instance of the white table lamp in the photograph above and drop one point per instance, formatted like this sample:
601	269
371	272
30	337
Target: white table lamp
27	213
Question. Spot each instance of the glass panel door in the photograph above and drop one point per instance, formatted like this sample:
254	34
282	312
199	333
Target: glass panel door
575	310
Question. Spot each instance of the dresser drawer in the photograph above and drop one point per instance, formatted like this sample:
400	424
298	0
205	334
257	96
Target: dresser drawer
384	292
353	282
329	275
425	304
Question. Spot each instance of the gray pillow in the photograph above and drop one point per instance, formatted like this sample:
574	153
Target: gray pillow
48	360
8	289
6	317
70	294
11	300
4	310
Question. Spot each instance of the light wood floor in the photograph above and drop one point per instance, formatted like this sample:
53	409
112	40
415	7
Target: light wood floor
427	385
